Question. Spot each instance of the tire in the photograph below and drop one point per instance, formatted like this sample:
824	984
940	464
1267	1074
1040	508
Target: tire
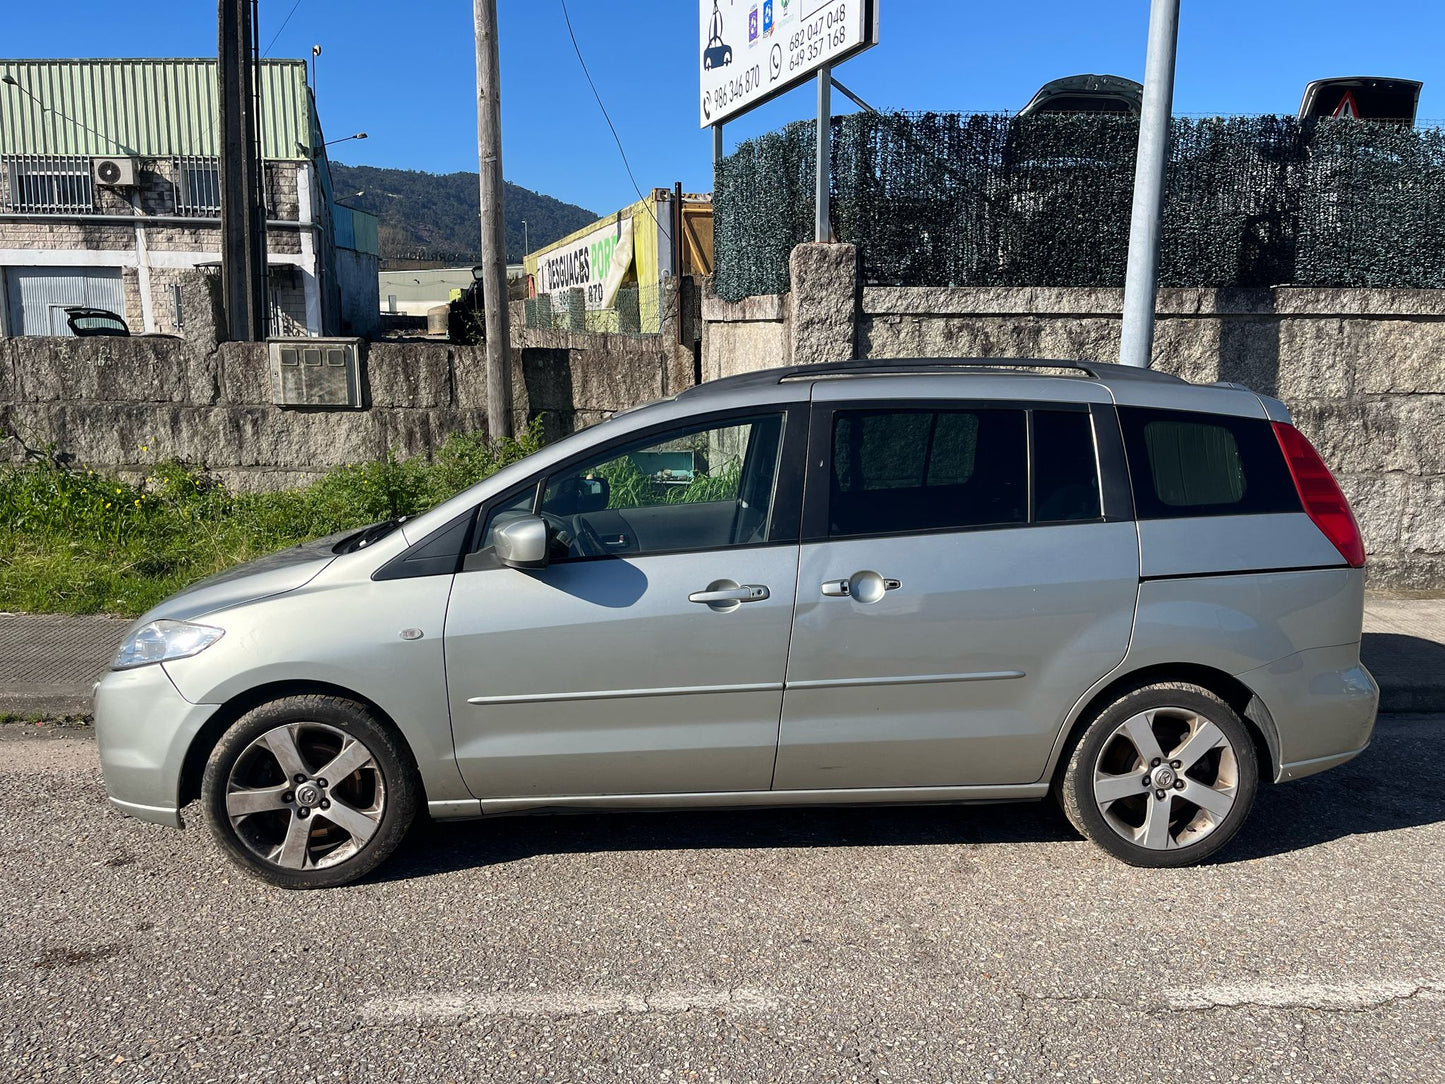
319	832
1191	747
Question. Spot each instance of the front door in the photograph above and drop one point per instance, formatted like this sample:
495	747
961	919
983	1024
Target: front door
953	602
649	656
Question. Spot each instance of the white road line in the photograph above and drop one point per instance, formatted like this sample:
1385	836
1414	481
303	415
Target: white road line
1301	995
460	1006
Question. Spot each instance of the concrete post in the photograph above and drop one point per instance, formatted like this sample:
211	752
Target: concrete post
824	303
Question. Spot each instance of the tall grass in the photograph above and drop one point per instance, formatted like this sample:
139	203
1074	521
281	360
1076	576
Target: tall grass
74	540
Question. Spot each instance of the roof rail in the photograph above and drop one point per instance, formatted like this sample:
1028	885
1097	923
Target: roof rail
1104	371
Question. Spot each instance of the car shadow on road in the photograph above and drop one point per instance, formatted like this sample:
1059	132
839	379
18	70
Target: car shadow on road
444	847
1377	792
1408	669
1381	790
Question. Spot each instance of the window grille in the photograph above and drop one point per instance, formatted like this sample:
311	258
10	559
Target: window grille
198	186
47	184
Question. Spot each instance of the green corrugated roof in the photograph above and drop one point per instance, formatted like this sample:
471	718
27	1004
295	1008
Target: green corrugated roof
143	108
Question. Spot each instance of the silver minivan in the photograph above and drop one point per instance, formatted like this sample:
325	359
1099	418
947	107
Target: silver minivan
865	582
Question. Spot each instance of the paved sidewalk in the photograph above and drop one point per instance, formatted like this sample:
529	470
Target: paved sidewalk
48	662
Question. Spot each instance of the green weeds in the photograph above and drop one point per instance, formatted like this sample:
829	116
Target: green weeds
74	540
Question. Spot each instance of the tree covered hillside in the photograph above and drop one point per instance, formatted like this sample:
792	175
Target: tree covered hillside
434	215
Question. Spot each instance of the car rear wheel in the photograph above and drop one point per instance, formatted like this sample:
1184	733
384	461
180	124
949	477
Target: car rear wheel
309	792
1164	776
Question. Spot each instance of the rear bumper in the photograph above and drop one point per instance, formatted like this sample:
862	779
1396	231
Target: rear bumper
1322	703
1301	768
143	728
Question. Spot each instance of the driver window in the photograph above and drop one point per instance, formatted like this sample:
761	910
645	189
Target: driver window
703	487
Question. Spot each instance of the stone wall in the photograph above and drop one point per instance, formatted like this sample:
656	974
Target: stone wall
126	404
577	378
744	336
1362	371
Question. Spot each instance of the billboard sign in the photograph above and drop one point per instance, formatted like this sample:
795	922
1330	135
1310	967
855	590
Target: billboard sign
751	50
596	261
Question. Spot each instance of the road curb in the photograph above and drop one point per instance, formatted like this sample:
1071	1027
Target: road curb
46	701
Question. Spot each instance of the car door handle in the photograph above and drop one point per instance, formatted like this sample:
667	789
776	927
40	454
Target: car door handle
748	592
866	586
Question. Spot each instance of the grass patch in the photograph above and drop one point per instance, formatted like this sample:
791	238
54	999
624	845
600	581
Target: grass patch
74	540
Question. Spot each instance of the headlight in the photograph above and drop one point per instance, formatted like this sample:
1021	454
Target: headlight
162	640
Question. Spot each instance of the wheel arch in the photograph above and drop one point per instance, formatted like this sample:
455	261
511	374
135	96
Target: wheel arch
1228	688
193	767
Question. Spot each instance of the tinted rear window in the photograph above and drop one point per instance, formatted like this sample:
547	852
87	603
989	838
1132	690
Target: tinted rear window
1188	464
896	471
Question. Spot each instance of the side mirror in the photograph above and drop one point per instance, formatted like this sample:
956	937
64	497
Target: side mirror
522	543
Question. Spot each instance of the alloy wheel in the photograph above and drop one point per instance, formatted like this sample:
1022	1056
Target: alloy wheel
1166	778
305	795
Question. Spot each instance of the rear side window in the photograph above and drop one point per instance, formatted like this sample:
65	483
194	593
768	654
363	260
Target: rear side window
1188	464
1066	471
896	471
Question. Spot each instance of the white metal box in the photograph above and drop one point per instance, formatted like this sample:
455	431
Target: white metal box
316	372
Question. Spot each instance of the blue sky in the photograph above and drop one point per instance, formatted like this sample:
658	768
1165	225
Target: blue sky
404	72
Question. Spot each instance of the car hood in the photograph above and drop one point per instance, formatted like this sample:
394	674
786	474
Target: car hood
274	574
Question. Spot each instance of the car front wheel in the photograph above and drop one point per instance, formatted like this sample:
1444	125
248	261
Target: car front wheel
1164	776
309	792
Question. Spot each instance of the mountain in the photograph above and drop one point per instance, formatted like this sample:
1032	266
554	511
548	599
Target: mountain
434	215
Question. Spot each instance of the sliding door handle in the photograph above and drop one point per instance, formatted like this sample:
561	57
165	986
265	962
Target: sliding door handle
864	586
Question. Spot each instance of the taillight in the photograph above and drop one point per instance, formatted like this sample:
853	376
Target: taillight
1320	494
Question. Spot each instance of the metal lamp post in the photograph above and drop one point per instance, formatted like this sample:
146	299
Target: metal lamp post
1141	283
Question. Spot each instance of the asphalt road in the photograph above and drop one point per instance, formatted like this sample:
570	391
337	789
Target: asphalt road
939	944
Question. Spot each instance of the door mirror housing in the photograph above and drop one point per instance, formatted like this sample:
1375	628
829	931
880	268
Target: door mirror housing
523	543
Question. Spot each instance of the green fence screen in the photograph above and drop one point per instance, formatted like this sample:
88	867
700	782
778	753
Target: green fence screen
939	199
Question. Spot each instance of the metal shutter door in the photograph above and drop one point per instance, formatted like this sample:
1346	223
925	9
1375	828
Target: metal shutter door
40	295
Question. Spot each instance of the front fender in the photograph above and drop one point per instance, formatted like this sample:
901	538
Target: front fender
347	635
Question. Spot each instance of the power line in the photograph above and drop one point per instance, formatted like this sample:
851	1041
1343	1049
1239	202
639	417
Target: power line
626	165
282	27
646	203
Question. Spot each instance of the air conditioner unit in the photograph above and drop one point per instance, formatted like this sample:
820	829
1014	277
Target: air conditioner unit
113	172
316	372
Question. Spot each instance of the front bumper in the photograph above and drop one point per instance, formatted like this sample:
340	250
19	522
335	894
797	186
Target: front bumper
143	727
1323	705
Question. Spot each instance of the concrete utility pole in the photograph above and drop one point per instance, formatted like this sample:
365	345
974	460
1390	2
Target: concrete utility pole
243	220
1141	284
494	246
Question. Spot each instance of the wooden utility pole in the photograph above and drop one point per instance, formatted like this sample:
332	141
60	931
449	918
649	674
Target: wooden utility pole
243	222
494	246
